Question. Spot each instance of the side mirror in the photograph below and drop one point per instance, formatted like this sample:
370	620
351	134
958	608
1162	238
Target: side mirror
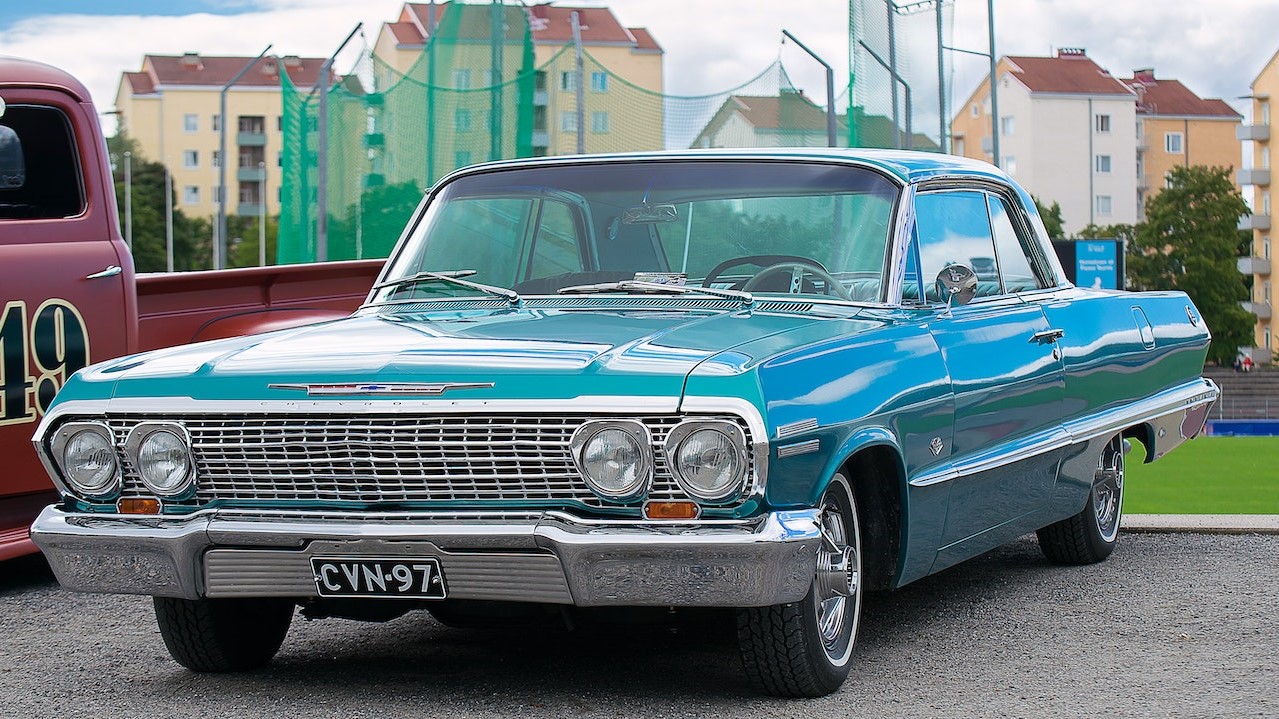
13	167
957	283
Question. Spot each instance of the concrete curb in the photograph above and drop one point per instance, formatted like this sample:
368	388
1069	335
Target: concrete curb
1201	523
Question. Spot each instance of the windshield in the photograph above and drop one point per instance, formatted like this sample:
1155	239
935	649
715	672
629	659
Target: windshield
797	229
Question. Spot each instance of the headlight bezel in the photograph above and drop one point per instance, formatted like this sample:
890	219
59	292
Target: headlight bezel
139	434
642	437
63	435
736	436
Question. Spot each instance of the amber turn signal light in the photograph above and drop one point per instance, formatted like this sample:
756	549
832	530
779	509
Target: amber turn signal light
139	505
671	510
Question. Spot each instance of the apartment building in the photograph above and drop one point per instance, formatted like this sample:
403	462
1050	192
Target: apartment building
1259	263
172	108
1067	133
1177	127
622	74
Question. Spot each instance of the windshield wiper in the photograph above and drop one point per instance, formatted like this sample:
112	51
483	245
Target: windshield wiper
452	277
745	298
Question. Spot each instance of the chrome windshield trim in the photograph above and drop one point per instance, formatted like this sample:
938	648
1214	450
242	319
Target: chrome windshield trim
1192	394
899	249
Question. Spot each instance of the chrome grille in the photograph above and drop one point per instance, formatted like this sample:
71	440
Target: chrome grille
398	458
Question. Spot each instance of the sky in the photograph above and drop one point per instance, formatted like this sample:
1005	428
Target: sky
1216	48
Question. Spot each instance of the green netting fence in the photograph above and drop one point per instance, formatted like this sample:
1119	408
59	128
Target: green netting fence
475	93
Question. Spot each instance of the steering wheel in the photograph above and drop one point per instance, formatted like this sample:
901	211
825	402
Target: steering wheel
757	260
796	269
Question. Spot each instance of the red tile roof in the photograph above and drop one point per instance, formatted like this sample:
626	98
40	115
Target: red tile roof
770	112
1170	97
1071	72
192	69
550	24
140	83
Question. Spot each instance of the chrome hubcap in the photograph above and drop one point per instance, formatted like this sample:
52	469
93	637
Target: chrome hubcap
1108	487
837	578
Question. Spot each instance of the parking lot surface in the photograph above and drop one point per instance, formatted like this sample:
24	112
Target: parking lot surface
1172	625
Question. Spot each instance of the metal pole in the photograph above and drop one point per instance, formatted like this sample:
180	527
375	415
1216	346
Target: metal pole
943	119
994	90
219	245
830	88
262	216
168	217
322	156
581	91
896	78
430	97
892	68
496	40
128	199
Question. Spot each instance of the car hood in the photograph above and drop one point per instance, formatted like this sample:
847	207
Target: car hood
516	353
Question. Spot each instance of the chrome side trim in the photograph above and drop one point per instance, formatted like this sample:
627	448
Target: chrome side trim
1196	393
793	428
799	448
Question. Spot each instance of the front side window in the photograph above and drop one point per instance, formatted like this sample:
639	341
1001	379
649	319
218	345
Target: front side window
789	229
39	172
954	228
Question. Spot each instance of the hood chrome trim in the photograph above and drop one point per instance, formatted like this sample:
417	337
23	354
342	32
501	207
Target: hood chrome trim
375	389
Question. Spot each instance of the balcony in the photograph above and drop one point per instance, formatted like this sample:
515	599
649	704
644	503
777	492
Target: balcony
1257	133
250	139
1260	309
1260	178
1254	222
249	209
249	174
541	138
1254	266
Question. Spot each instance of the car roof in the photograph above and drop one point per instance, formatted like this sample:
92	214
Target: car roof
17	72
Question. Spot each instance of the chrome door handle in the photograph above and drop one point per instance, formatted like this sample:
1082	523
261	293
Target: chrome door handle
1044	336
110	271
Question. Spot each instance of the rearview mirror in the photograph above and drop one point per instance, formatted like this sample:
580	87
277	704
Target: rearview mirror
647	214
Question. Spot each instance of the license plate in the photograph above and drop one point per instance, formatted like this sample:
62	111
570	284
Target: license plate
385	578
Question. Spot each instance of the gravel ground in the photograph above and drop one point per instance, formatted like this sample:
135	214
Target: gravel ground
1173	625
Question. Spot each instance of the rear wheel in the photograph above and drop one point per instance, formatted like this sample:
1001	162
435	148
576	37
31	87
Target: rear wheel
803	649
223	635
1090	536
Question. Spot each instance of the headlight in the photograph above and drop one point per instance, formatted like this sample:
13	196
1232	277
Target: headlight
86	455
161	452
614	457
708	458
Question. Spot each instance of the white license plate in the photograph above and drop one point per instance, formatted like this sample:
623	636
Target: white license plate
379	578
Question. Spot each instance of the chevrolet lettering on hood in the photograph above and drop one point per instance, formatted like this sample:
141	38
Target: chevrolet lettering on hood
740	381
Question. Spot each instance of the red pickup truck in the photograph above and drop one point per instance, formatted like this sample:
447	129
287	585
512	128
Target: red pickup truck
68	292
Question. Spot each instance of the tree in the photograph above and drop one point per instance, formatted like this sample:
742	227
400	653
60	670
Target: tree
1189	242
1051	215
191	235
242	234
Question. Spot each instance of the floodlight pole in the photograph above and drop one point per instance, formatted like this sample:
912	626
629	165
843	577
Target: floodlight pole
262	216
943	118
891	5
128	199
994	90
581	83
220	246
322	155
830	88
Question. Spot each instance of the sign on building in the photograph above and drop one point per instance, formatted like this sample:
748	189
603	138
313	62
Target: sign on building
1095	263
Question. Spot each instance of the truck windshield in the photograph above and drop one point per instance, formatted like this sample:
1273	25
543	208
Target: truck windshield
769	228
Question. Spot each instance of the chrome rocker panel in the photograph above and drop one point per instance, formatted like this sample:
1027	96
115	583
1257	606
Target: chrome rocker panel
553	557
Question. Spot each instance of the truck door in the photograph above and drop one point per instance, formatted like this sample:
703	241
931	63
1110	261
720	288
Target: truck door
62	266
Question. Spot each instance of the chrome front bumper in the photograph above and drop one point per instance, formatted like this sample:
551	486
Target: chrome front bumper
553	557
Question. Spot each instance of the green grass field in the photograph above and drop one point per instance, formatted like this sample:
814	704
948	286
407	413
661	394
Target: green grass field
1208	475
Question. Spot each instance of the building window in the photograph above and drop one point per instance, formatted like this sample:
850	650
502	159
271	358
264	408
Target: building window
215	122
568	80
1265	203
1265	291
599	122
190	159
1104	204
190	195
599	82
1265	112
461	158
1172	143
191	122
279	158
1267	335
215	158
959	146
1103	164
1102	123
279	123
462	79
975	110
1010	164
1167	180
568	122
462	120
1007	125
1265	247
215	192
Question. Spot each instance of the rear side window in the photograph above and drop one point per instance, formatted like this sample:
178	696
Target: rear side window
39	174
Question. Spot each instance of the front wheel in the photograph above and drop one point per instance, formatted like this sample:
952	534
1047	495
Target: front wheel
1089	537
223	635
803	649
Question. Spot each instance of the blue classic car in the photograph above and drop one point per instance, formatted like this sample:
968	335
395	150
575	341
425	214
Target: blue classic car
768	381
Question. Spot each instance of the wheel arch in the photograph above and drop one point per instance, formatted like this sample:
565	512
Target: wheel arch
873	463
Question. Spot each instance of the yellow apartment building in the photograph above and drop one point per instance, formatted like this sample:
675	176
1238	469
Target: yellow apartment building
171	108
622	79
1177	127
1259	263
